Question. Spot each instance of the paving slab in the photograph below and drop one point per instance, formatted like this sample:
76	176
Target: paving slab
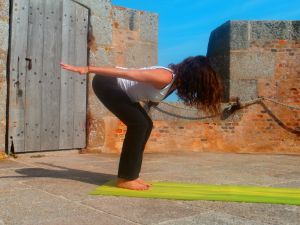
52	188
33	206
152	211
213	218
264	213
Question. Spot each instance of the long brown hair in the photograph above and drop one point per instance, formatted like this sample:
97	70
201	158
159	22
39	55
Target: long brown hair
198	84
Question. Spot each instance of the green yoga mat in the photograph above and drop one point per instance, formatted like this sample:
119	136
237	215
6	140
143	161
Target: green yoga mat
190	191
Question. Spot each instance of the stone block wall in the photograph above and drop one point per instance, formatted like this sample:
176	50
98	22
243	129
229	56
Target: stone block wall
254	58
133	43
4	29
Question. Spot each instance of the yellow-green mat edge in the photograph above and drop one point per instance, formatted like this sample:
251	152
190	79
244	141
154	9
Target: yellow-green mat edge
231	193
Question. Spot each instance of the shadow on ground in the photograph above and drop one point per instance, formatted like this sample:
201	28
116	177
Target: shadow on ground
63	173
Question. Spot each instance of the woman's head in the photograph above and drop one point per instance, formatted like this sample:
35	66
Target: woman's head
198	84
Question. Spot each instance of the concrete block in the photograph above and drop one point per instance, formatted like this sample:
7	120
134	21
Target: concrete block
232	35
148	27
295	30
121	37
100	8
266	213
3	86
2	134
141	54
126	18
102	30
9	164
4	12
164	210
239	38
4	26
3	96
104	56
219	40
47	208
244	89
220	64
250	65
269	30
207	218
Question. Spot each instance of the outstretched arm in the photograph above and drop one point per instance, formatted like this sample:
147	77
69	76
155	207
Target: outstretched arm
157	77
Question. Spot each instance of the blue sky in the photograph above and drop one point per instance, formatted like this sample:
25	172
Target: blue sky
185	25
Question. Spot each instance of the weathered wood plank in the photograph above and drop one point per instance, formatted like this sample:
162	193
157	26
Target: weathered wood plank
34	76
67	87
17	74
51	112
80	84
51	75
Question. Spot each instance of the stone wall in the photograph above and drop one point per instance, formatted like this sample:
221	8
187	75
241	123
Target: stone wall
124	37
4	29
255	58
133	43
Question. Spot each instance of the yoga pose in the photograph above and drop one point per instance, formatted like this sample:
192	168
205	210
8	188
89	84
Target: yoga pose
122	89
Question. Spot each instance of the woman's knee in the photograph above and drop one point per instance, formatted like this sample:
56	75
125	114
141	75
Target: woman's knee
142	125
150	125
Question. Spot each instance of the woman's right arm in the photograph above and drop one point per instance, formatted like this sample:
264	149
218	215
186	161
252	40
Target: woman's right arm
113	72
157	77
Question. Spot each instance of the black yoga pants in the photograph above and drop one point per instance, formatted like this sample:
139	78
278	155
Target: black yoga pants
139	124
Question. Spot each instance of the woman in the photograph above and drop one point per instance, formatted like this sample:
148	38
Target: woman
121	89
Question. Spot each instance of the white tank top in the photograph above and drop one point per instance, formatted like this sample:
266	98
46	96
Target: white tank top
141	91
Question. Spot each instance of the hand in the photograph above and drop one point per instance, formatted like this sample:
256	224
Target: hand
79	69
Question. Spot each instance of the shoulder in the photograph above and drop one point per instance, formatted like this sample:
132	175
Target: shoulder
158	76
146	68
158	67
163	76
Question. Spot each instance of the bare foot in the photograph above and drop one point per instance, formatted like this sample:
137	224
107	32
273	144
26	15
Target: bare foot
143	182
131	184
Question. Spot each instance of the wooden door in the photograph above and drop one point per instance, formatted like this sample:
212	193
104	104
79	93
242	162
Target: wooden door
47	104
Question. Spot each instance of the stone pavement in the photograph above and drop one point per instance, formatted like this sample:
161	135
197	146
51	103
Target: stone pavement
51	188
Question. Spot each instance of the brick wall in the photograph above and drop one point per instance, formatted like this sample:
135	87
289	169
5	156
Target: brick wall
133	44
256	58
